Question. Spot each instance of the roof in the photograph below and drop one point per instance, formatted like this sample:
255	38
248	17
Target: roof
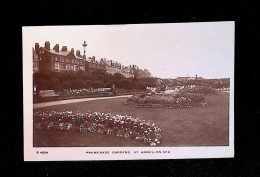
78	57
62	53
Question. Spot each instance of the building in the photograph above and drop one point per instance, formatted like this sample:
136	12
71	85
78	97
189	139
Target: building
46	59
144	73
115	67
35	62
58	60
92	65
188	78
139	73
111	67
127	72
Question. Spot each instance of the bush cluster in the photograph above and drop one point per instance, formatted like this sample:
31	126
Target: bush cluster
60	81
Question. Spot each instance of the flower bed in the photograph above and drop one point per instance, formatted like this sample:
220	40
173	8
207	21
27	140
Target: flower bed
96	122
166	106
199	90
80	91
171	101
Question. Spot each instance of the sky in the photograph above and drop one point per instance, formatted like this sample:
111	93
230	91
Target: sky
167	50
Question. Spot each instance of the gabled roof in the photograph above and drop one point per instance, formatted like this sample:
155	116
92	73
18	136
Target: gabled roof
62	53
78	57
108	63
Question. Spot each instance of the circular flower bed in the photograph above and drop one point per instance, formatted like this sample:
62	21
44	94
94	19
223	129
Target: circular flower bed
96	122
199	90
170	101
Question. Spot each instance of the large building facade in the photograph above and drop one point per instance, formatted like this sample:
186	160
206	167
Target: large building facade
46	59
58	60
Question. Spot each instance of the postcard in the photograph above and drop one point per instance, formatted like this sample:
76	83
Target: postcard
128	92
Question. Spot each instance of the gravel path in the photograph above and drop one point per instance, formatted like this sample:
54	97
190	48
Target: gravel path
52	103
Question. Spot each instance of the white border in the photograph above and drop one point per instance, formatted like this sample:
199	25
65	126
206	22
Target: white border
79	153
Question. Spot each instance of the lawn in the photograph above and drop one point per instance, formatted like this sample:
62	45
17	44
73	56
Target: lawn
180	127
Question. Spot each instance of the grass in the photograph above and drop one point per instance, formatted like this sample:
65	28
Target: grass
207	125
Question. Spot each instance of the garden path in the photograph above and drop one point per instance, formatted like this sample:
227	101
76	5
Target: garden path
52	103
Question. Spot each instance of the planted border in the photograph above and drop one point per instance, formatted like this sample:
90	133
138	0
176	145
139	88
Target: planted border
169	101
166	106
96	122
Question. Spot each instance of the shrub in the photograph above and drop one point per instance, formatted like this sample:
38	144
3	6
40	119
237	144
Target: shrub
98	84
143	95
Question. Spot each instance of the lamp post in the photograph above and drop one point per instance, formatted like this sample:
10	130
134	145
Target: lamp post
84	48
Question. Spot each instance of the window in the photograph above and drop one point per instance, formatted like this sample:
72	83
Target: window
67	66
62	66
82	68
61	59
56	65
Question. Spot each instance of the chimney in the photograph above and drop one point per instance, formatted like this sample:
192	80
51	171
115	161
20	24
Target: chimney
47	45
56	48
72	51
37	46
64	48
93	58
78	53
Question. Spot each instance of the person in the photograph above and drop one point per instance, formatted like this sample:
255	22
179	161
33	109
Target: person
113	89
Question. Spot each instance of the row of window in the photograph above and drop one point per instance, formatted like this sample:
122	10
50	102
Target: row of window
67	60
62	66
35	63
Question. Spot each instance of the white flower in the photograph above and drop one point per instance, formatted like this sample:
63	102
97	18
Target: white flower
152	144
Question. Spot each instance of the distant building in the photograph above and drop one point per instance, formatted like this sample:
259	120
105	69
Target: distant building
189	78
111	67
92	65
58	60
139	73
127	72
115	67
144	73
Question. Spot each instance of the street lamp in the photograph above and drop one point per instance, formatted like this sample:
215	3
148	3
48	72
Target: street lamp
84	48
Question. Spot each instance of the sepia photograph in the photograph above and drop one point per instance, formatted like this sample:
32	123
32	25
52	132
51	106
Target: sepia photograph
133	91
